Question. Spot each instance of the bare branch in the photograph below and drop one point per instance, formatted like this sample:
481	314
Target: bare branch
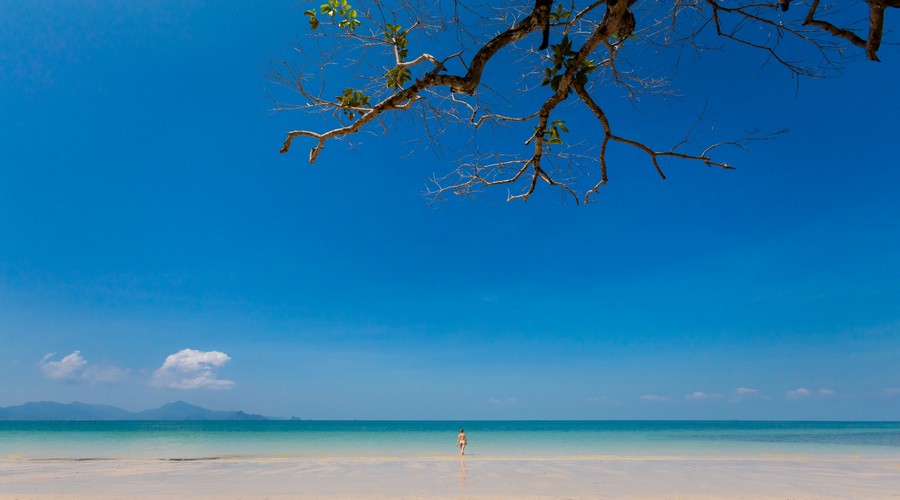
595	40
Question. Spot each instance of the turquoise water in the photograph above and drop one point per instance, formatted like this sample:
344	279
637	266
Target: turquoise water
325	439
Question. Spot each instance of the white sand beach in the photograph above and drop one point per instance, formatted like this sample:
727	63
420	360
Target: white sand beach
774	477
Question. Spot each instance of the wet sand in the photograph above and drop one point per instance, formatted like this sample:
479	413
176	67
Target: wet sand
775	477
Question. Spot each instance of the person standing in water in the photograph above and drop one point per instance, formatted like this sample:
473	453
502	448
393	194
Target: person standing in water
461	441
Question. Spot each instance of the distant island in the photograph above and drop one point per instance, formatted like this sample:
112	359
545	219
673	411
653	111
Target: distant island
179	410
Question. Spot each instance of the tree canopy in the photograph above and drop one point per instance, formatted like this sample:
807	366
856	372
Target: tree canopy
428	58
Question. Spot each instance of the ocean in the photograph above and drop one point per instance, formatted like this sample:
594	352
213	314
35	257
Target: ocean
183	440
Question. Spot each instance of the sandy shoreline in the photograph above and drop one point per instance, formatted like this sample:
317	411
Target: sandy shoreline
444	478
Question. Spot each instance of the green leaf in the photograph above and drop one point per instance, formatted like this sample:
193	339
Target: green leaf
554	83
351	98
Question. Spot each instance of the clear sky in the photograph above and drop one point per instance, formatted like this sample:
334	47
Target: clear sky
155	246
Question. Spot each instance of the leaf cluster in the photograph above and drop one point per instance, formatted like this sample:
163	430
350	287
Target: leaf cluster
340	11
562	54
553	134
397	76
560	14
351	100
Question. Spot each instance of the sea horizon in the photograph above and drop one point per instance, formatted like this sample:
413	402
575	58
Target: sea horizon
205	439
279	419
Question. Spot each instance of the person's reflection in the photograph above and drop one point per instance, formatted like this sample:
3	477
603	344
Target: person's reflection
462	472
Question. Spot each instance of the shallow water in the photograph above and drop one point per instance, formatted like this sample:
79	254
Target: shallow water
324	439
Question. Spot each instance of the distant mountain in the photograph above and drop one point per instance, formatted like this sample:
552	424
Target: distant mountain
179	410
46	410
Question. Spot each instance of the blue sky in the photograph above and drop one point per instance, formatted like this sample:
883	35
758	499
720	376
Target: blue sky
148	222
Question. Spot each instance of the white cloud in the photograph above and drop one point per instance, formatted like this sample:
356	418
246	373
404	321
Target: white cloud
798	393
74	369
746	391
653	398
68	369
701	396
192	369
803	392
